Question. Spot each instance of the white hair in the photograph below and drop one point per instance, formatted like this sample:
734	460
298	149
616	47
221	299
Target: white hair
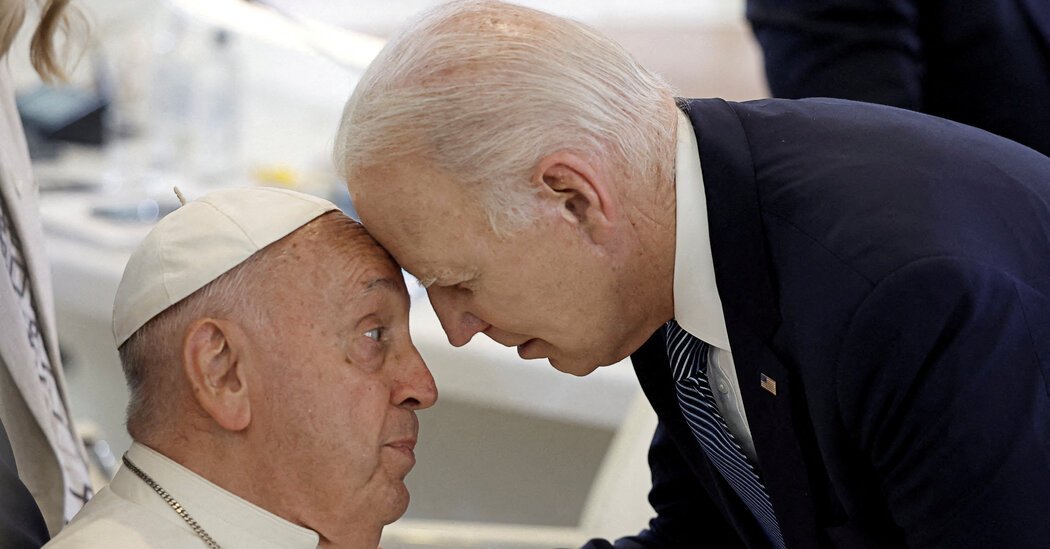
483	90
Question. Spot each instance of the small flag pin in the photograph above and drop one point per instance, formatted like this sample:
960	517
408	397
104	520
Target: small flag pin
769	384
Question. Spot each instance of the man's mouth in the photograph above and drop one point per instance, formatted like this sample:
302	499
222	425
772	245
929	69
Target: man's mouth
405	447
530	349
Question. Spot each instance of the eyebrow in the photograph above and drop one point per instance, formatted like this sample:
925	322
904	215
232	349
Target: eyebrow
426	281
459	276
426	275
378	283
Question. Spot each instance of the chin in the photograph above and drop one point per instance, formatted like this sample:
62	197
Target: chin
397	505
574	367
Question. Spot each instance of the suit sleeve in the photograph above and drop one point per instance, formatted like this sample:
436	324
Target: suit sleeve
864	50
944	386
686	517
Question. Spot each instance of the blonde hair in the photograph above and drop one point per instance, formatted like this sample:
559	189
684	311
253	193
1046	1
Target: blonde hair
483	90
55	16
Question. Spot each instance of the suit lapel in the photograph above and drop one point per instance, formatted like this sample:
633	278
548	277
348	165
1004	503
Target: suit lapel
743	275
654	375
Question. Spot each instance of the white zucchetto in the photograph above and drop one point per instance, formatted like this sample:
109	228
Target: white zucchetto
200	241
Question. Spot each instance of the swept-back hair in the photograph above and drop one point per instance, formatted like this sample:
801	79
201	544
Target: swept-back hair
483	90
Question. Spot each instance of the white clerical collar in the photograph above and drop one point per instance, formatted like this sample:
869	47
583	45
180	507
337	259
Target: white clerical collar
697	307
228	519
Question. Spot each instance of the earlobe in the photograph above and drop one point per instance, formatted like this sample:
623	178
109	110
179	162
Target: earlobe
217	372
578	190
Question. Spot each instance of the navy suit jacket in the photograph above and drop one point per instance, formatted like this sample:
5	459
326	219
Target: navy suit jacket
891	272
985	63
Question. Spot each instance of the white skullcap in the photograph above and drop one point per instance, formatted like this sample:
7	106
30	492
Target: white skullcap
200	241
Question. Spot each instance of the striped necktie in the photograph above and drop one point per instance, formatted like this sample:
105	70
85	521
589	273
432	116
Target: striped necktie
688	359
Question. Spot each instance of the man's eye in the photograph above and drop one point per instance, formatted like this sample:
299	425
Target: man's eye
375	333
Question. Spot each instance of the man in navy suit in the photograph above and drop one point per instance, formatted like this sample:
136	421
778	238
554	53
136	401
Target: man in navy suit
985	63
839	311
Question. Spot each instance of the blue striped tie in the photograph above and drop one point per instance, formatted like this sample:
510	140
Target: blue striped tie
688	358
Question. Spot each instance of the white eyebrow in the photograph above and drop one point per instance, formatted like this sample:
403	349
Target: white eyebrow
429	280
381	282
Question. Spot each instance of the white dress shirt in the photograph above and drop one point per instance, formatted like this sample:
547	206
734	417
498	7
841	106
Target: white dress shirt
697	307
129	514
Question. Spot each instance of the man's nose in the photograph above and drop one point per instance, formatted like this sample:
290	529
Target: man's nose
459	324
416	389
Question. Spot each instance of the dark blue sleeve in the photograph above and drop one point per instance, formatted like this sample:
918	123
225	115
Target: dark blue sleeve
945	385
864	50
685	515
21	524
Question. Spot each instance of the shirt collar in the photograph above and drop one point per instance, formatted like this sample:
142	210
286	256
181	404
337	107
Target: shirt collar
697	307
230	520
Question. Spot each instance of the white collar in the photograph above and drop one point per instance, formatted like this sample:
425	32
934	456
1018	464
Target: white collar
230	520
697	307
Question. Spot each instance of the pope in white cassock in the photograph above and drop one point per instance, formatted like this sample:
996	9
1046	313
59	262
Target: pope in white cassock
274	385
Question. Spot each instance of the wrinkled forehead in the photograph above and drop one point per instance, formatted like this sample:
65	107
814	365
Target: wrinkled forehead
429	228
332	256
360	264
409	207
341	291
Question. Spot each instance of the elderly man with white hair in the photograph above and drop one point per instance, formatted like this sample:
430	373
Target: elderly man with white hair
839	311
274	384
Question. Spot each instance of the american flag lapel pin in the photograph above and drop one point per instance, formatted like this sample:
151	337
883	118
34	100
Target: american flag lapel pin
769	384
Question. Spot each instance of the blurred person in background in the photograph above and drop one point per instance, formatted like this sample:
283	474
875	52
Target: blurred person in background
839	311
985	63
273	382
43	472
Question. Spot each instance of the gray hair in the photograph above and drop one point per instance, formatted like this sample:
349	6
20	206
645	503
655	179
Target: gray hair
151	357
484	90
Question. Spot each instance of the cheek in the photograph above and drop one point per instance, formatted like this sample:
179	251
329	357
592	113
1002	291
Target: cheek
352	427
329	411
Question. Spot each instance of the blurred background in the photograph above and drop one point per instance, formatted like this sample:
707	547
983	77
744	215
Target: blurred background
211	93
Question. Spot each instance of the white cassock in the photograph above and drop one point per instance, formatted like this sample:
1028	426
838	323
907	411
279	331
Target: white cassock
128	513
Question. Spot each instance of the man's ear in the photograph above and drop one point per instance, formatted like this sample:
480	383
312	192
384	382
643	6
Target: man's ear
581	192
217	372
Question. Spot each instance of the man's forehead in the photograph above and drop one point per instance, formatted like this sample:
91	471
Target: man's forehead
398	180
385	210
356	259
412	188
402	220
